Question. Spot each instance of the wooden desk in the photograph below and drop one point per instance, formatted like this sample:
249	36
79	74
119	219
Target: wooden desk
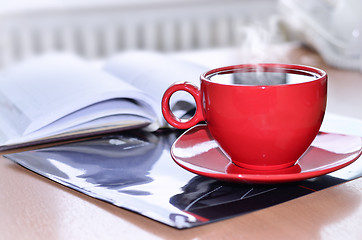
33	207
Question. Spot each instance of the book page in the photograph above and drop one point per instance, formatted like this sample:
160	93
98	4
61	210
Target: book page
39	91
112	107
101	125
153	73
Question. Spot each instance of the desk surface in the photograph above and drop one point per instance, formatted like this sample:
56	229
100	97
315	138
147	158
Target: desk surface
33	207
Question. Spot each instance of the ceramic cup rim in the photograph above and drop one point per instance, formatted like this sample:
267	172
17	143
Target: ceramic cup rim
294	68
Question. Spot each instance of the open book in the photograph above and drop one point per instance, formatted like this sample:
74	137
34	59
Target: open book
60	96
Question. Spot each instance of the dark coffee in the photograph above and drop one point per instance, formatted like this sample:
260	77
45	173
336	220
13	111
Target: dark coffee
260	76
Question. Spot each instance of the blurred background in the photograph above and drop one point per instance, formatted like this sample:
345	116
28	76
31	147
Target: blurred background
99	28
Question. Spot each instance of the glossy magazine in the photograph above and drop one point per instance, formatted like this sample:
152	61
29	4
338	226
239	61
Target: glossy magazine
134	170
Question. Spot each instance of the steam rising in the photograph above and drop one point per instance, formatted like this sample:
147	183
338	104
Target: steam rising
259	44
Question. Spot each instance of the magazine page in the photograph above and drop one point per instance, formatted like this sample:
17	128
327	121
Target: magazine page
154	72
97	127
41	90
111	114
135	171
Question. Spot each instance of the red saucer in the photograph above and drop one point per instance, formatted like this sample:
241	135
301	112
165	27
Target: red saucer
197	152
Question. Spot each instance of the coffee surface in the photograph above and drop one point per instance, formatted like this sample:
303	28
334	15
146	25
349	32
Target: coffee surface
258	77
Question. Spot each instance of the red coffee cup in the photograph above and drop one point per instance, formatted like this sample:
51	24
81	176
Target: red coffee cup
263	116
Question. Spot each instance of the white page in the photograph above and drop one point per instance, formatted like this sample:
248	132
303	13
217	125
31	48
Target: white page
153	73
100	125
39	91
103	109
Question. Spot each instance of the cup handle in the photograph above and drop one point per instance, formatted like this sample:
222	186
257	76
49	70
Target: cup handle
166	110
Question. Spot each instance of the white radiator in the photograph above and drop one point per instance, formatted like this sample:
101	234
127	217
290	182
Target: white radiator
99	32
